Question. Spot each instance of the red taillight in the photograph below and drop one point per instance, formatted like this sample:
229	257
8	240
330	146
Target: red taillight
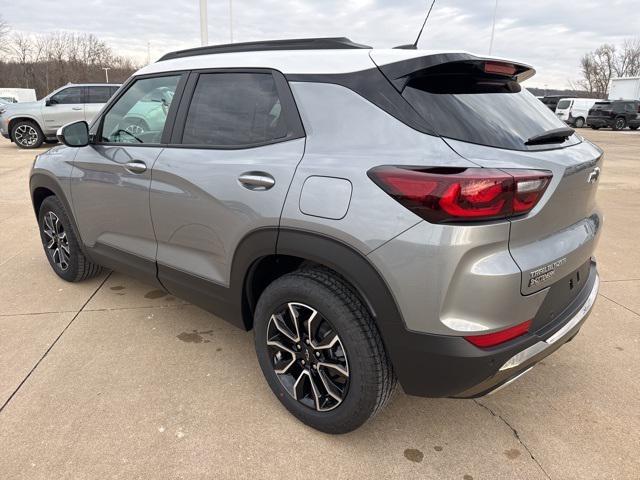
496	338
457	194
500	68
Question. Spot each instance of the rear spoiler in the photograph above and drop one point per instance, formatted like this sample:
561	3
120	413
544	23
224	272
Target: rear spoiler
399	73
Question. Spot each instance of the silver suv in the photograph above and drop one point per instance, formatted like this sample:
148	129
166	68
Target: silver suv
371	214
29	124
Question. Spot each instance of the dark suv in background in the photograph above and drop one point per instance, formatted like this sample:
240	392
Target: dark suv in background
551	101
615	114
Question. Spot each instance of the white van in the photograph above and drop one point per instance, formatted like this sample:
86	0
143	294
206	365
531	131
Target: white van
574	111
14	95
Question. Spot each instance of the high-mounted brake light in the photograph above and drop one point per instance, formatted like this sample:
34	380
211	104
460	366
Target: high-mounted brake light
496	338
500	68
442	195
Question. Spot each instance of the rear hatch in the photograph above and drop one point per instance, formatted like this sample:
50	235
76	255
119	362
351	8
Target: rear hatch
563	109
482	112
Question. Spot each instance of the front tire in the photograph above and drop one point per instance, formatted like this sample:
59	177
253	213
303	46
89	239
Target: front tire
27	134
321	352
579	122
61	244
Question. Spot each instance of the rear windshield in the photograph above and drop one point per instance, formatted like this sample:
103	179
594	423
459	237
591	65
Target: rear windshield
562	104
461	102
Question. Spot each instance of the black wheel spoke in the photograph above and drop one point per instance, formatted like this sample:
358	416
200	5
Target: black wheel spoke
56	241
307	356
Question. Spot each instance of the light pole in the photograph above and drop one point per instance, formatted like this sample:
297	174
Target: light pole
231	20
106	73
493	27
204	29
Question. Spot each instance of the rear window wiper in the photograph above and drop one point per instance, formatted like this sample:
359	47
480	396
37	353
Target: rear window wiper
551	136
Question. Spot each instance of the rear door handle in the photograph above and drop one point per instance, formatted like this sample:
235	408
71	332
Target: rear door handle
136	166
256	180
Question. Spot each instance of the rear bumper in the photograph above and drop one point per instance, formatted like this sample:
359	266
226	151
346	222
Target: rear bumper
445	366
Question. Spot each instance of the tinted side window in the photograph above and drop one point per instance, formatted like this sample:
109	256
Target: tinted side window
139	115
68	96
98	94
234	109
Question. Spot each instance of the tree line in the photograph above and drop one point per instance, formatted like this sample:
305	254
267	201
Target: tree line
48	61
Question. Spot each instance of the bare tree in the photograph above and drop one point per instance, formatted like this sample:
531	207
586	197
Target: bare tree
4	35
628	61
598	67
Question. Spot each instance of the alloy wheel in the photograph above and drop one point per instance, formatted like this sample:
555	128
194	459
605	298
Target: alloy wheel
620	124
307	356
26	135
134	129
56	241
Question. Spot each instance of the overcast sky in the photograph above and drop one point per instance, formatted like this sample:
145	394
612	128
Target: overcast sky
551	35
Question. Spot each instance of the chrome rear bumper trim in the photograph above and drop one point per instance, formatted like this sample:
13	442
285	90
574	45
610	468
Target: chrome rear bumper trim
535	349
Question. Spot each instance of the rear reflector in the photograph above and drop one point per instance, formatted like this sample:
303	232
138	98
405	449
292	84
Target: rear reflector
500	68
441	195
496	338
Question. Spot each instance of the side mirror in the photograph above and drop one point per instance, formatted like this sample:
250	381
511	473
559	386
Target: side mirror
48	102
74	134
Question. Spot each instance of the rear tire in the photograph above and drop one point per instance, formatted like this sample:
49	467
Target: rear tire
27	134
634	127
593	127
361	380
619	124
61	244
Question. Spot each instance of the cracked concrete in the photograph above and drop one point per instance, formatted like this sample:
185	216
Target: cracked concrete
111	378
515	434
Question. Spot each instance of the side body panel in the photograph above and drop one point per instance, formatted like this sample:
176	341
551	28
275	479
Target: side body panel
55	116
111	206
347	136
91	110
201	211
53	170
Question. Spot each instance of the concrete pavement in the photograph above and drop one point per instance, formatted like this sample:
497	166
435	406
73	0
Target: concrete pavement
111	378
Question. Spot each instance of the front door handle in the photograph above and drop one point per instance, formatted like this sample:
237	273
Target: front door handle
76	108
256	180
136	166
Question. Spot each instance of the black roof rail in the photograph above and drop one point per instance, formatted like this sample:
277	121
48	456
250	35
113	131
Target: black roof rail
327	43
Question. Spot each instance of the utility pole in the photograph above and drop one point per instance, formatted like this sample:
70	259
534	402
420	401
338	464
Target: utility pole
106	73
204	28
493	27
231	20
